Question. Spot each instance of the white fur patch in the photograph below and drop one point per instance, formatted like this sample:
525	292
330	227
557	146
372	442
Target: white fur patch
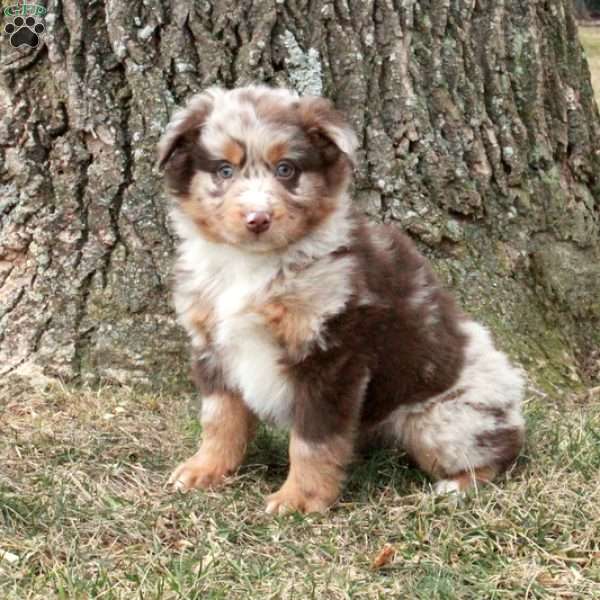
324	289
212	409
304	449
258	198
251	360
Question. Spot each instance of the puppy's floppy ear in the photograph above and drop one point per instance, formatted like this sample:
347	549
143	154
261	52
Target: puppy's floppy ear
185	125
327	127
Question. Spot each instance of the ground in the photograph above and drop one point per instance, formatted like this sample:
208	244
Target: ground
84	512
590	38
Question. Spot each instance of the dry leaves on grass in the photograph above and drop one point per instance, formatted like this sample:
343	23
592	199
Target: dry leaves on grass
385	557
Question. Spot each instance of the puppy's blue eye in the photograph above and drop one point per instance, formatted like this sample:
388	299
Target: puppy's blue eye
284	170
225	171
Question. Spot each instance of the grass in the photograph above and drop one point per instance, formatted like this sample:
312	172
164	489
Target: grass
84	513
590	38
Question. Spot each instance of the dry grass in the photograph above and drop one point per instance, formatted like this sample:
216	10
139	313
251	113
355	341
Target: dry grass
84	513
590	38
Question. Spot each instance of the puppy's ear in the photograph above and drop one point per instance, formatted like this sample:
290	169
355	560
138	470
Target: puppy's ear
184	128
327	128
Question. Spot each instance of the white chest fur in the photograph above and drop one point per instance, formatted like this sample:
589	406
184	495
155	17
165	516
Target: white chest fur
231	281
250	357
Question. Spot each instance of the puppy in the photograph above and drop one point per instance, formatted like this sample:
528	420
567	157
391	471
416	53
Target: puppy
302	314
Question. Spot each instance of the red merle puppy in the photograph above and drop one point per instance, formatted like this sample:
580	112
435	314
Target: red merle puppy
302	314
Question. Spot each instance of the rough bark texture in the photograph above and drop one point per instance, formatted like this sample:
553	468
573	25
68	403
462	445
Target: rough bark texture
480	137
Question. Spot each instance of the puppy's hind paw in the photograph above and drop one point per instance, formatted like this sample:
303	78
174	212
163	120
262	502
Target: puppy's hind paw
465	481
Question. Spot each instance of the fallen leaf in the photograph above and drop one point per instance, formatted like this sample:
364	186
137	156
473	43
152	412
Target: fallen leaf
385	556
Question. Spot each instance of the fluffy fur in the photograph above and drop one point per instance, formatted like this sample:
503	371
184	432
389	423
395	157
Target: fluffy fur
302	314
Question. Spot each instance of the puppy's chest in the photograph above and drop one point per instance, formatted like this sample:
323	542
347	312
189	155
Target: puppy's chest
253	322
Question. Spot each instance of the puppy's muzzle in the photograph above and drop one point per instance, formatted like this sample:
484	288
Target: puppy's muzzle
258	222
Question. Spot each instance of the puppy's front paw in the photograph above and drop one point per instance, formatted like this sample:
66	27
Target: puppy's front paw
198	472
290	498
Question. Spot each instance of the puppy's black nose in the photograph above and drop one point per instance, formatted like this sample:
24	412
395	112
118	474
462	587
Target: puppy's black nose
259	221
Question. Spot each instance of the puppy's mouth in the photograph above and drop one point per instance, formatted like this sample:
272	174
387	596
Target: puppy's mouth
264	242
261	233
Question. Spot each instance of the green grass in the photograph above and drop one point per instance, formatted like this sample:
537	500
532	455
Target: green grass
84	507
590	38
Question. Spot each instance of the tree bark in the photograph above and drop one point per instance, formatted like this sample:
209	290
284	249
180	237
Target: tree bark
480	137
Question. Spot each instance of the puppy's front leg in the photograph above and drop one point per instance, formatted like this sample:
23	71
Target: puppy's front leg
227	429
315	476
321	441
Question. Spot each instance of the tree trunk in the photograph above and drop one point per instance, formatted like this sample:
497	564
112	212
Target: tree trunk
480	137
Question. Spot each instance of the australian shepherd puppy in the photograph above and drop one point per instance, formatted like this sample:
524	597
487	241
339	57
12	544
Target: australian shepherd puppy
303	314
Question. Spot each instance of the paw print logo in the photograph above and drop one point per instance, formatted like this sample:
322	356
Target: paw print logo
24	31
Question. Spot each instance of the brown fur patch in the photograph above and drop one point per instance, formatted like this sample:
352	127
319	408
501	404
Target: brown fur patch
277	152
234	152
315	477
506	442
290	322
498	413
201	316
207	374
198	213
325	126
184	133
321	129
180	151
224	442
387	337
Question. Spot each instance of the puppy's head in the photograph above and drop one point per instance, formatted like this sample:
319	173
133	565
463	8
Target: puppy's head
257	167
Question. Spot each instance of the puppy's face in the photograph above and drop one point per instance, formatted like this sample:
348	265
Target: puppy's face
256	167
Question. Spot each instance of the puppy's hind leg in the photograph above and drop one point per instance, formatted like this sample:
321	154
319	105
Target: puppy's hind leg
461	445
472	432
463	481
